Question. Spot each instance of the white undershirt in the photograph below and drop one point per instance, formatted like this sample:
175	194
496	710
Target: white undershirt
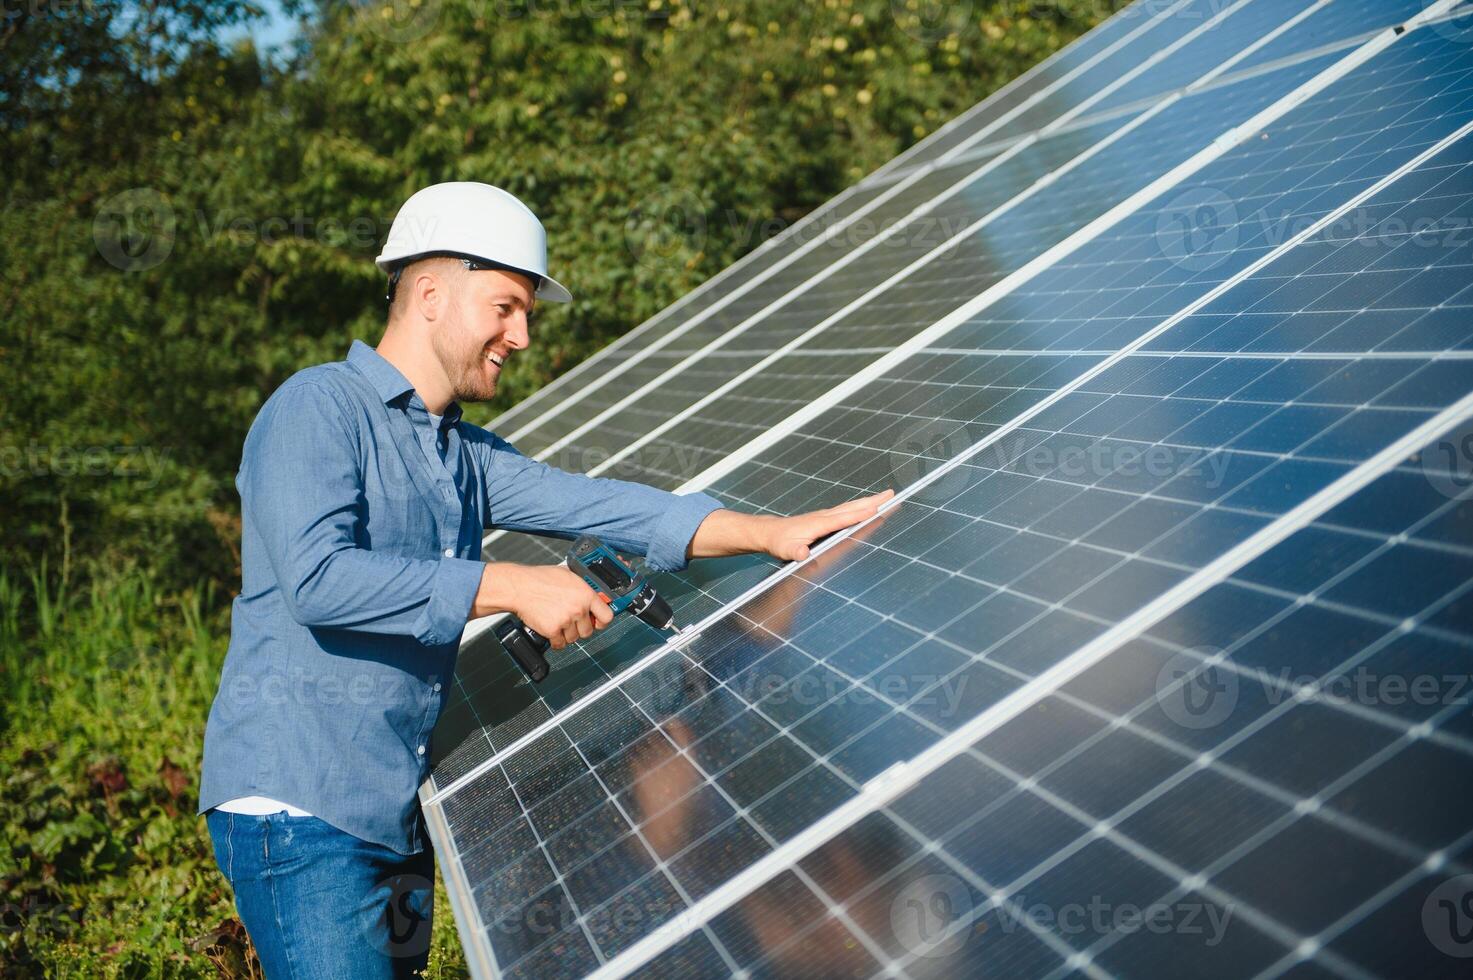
258	806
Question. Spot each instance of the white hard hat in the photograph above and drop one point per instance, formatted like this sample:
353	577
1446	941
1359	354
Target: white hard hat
475	221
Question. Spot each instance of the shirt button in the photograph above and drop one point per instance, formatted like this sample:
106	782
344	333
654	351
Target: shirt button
421	750
437	686
449	552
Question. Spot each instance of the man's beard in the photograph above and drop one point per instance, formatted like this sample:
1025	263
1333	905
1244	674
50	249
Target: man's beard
466	371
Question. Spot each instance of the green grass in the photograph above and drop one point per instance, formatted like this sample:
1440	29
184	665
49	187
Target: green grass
107	872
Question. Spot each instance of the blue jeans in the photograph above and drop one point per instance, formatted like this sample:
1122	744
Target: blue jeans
320	904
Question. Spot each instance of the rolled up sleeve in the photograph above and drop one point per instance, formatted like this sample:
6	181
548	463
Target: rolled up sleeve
675	529
453	591
526	495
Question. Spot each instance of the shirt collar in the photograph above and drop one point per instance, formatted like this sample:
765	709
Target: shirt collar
389	382
451	415
384	377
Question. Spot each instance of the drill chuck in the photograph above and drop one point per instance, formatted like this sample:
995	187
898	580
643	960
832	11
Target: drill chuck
655	611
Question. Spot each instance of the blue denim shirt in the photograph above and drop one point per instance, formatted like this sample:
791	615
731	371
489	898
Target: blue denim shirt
360	558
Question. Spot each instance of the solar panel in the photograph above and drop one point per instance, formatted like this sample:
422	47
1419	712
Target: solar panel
1213	445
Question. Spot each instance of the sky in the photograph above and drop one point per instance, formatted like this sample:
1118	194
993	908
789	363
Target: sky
276	29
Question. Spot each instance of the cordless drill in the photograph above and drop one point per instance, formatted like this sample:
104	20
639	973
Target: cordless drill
615	582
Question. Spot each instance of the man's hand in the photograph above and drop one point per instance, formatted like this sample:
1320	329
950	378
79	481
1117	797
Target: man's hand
726	532
548	598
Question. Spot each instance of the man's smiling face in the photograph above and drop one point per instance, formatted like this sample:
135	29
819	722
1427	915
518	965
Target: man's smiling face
488	318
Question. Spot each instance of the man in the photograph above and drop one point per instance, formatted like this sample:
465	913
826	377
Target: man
364	499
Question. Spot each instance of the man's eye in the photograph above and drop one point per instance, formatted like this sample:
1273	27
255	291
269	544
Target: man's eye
503	309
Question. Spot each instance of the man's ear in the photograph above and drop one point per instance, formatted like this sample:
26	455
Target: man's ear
427	293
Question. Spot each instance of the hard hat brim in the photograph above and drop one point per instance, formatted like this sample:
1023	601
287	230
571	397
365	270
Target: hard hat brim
552	291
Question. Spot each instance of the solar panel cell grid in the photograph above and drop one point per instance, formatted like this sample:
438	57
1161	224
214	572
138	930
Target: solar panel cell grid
853	744
1334	24
931	290
1115	288
1236	28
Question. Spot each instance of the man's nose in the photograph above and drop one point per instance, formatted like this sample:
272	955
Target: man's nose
518	337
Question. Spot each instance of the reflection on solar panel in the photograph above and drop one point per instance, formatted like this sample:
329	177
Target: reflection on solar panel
1160	664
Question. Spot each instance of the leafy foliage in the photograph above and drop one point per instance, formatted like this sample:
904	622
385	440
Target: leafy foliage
187	222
